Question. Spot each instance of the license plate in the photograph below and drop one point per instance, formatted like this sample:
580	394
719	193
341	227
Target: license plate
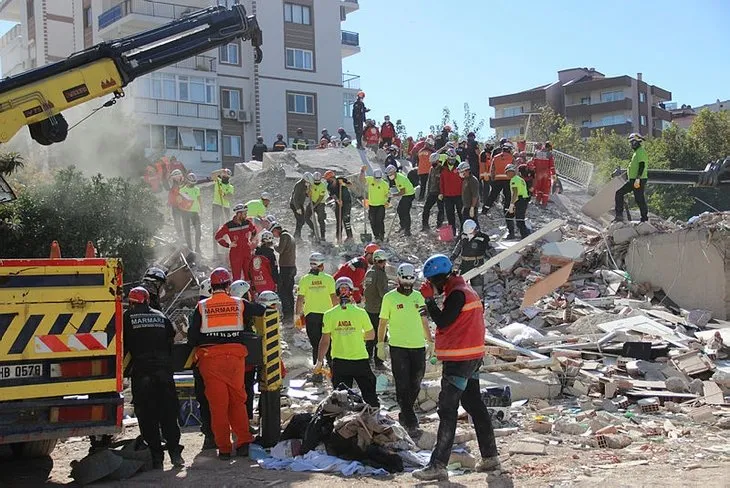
21	371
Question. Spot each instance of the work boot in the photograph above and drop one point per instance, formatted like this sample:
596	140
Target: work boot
158	458
242	451
176	456
209	442
510	237
431	473
414	432
488	464
379	365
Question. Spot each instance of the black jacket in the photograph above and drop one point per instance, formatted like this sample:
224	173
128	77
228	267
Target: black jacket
358	112
258	151
148	337
278	146
269	253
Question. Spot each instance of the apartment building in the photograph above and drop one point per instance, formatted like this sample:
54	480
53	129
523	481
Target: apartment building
206	110
589	100
684	115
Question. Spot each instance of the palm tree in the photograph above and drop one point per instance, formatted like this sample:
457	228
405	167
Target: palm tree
9	162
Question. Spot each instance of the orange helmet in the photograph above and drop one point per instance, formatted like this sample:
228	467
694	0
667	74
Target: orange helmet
361	94
220	276
328	175
371	248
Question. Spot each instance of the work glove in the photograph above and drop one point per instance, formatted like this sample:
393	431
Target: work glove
318	367
441	197
299	322
299	211
637	183
381	351
511	208
472	212
427	290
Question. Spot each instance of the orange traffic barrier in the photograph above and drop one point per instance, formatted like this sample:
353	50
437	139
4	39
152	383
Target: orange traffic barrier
55	250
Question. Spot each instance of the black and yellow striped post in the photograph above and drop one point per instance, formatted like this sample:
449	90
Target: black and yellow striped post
269	378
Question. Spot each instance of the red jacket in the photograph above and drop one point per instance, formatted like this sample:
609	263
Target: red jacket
450	184
262	279
387	130
417	147
372	135
242	234
544	163
463	340
354	269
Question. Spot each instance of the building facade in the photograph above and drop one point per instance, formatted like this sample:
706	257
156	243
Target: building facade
206	110
589	100
684	115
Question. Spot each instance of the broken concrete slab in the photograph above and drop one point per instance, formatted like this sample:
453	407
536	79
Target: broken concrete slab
692	363
570	249
698	317
524	447
524	384
624	234
546	286
604	200
645	229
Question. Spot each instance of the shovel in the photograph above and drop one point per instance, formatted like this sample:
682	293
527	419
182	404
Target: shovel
365	238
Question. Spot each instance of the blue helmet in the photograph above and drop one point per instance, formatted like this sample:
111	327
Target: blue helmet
436	265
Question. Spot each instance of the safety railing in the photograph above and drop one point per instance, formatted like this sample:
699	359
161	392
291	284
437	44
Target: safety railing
569	167
350	81
143	7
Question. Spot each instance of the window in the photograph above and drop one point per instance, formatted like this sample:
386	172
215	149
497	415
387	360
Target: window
171	137
164	86
511	132
157	137
229	54
612	96
512	111
199	135
297	103
642	119
612	120
232	146
230	99
211	140
348	100
297	14
299	59
585	100
642	97
187	138
88	19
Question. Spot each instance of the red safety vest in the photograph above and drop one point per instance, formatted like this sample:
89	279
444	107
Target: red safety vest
372	135
261	276
463	340
354	269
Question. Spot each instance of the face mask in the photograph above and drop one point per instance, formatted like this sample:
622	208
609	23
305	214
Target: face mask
635	145
225	179
391	177
314	271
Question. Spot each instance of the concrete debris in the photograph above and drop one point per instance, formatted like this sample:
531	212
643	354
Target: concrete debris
531	448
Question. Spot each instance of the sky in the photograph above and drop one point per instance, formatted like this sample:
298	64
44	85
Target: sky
427	54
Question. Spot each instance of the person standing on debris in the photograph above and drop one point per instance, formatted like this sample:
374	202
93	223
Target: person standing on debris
319	199
356	268
222	192
153	281
301	204
174	200
372	135
339	189
240	232
258	150
257	209
300	142
460	345
216	333
377	198
424	167
387	132
517	210
347	328
315	295
148	337
442	138
450	189
343	135
407	193
434	190
204	292
375	287
358	117
472	153
485	161
469	193
264	271
287	249
279	145
500	182
391	159
474	249
638	175
544	164
191	216
403	315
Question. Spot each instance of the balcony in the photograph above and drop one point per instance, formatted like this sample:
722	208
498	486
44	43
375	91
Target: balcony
618	82
135	15
349	5
582	109
621	129
179	109
198	63
536	97
350	81
350	43
495	122
660	93
660	113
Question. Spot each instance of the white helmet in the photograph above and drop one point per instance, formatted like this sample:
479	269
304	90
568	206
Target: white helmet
469	227
344	281
265	196
239	288
205	289
268	299
406	273
434	158
317	176
463	167
192	178
267	237
316	259
176	174
239	207
390	170
378	173
308	177
451	153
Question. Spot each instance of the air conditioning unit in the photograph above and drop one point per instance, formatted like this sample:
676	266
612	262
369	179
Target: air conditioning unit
244	116
229	114
203	64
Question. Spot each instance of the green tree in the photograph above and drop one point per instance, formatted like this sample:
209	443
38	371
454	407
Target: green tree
471	123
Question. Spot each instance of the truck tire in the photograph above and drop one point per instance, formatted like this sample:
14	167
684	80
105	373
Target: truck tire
34	449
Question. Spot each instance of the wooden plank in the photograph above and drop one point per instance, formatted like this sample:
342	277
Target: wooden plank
547	285
713	393
532	238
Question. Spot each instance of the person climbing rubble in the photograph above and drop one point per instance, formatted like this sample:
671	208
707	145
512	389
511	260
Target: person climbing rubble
287	249
485	161
377	199
469	193
637	177
358	117
450	189
387	132
318	193
301	204
432	196
403	318
544	163
356	268
407	193
460	346
473	248
222	192
375	286
264	272
516	213
190	193
240	232
339	189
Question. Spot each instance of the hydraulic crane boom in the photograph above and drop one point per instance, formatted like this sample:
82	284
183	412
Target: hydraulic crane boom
715	174
37	97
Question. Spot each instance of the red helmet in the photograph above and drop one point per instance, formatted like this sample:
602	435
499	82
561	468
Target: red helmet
361	94
371	248
220	276
138	294
328	175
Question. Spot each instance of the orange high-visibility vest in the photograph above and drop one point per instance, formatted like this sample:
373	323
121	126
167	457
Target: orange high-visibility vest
463	340
221	313
499	164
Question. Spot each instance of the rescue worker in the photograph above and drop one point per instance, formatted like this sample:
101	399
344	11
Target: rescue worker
148	338
407	193
485	161
461	150
356	268
403	316
222	192
424	167
339	189
517	210
315	295
498	176
279	145
241	289
258	150
216	333
287	249
346	328
300	142
450	189
174	200
301	204
432	197
544	164
204	292
325	135
264	272
460	345
638	175
472	153
153	281
346	142
240	231
257	209
407	147
441	140
378	197
343	135
371	135
152	178
474	249
387	132
469	192
191	216
318	195
358	117
375	286
391	159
